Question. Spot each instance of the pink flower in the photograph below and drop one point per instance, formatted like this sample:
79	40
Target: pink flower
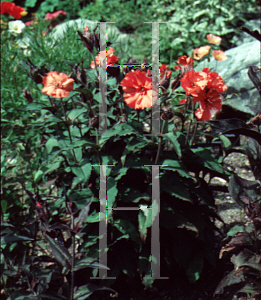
52	16
213	39
219	55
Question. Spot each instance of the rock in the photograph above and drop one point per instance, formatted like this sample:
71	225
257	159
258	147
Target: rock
113	33
246	38
234	73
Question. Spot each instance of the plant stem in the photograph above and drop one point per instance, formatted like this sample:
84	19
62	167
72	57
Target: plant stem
73	257
68	127
194	133
160	143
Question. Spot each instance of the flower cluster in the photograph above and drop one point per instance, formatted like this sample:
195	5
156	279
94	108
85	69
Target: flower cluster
12	10
206	88
198	53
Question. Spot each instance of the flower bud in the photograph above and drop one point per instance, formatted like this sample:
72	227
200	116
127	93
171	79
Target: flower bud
36	73
164	83
175	83
87	38
27	95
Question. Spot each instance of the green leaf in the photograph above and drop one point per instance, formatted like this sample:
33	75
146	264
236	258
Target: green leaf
38	175
85	291
30	3
195	268
235	229
175	165
4	205
83	171
112	191
126	227
88	262
52	142
35	106
174	140
60	253
172	184
75	113
12	239
145	221
225	142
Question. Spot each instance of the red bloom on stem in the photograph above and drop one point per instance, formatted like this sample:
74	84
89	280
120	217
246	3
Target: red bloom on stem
185	64
163	69
57	85
13	10
210	103
215	80
193	82
111	59
138	89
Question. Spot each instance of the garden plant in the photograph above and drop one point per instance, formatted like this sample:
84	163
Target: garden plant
89	129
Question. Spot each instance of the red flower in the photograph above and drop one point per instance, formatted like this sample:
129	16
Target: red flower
57	85
163	69
185	64
210	103
52	16
183	101
13	10
111	59
215	80
193	82
138	89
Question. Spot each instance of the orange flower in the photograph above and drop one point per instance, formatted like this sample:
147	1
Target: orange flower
111	59
219	55
138	89
213	39
192	82
210	103
13	10
198	53
57	85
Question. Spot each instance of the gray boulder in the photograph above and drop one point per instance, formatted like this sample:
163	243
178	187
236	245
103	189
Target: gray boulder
241	90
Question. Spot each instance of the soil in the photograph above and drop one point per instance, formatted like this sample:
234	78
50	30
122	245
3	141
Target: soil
179	288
